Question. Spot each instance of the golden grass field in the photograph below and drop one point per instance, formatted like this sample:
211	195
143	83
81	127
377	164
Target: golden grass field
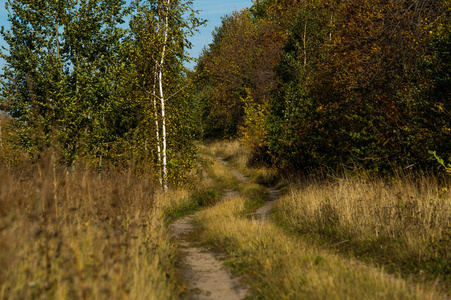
403	223
72	234
67	235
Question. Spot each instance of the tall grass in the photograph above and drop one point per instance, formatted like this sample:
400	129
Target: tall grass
403	223
74	235
280	266
217	171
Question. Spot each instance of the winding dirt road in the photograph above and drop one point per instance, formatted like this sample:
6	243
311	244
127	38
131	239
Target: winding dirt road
201	269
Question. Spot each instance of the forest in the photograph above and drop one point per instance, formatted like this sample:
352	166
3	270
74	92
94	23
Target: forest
338	109
354	84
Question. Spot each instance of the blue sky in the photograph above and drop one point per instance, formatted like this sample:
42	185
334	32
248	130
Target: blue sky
212	10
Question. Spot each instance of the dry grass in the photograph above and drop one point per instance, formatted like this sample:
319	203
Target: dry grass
76	236
404	224
228	149
217	171
279	266
237	155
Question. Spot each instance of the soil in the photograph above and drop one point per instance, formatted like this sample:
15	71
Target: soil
201	268
263	213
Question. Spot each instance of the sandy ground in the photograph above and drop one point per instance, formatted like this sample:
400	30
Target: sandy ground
204	273
206	276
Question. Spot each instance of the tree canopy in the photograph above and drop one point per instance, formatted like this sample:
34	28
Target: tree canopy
332	83
81	82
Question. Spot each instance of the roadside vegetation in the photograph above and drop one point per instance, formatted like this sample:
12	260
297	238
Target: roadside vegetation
101	147
73	235
280	266
402	223
279	263
320	83
95	124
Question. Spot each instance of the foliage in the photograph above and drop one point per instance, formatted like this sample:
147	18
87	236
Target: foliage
446	166
253	131
358	83
155	76
224	76
76	81
294	115
240	62
57	77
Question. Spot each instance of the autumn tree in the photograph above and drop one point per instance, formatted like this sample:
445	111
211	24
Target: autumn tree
239	65
437	64
223	74
294	137
352	86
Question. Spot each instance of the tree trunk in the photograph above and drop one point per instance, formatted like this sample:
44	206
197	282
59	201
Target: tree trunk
157	126
165	29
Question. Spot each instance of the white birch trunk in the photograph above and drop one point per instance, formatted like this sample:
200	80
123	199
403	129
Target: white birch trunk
163	133
157	126
162	99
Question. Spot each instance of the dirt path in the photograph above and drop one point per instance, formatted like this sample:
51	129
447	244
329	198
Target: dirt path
238	175
206	276
263	212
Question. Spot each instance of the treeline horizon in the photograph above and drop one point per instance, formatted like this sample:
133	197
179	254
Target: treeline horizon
328	83
303	84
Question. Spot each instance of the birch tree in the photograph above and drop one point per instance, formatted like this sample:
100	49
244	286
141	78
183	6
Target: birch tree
161	29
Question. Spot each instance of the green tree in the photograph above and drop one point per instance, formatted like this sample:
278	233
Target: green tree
57	75
240	62
294	139
224	74
437	118
160	31
352	87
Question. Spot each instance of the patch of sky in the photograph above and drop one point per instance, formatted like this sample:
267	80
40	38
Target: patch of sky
211	10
